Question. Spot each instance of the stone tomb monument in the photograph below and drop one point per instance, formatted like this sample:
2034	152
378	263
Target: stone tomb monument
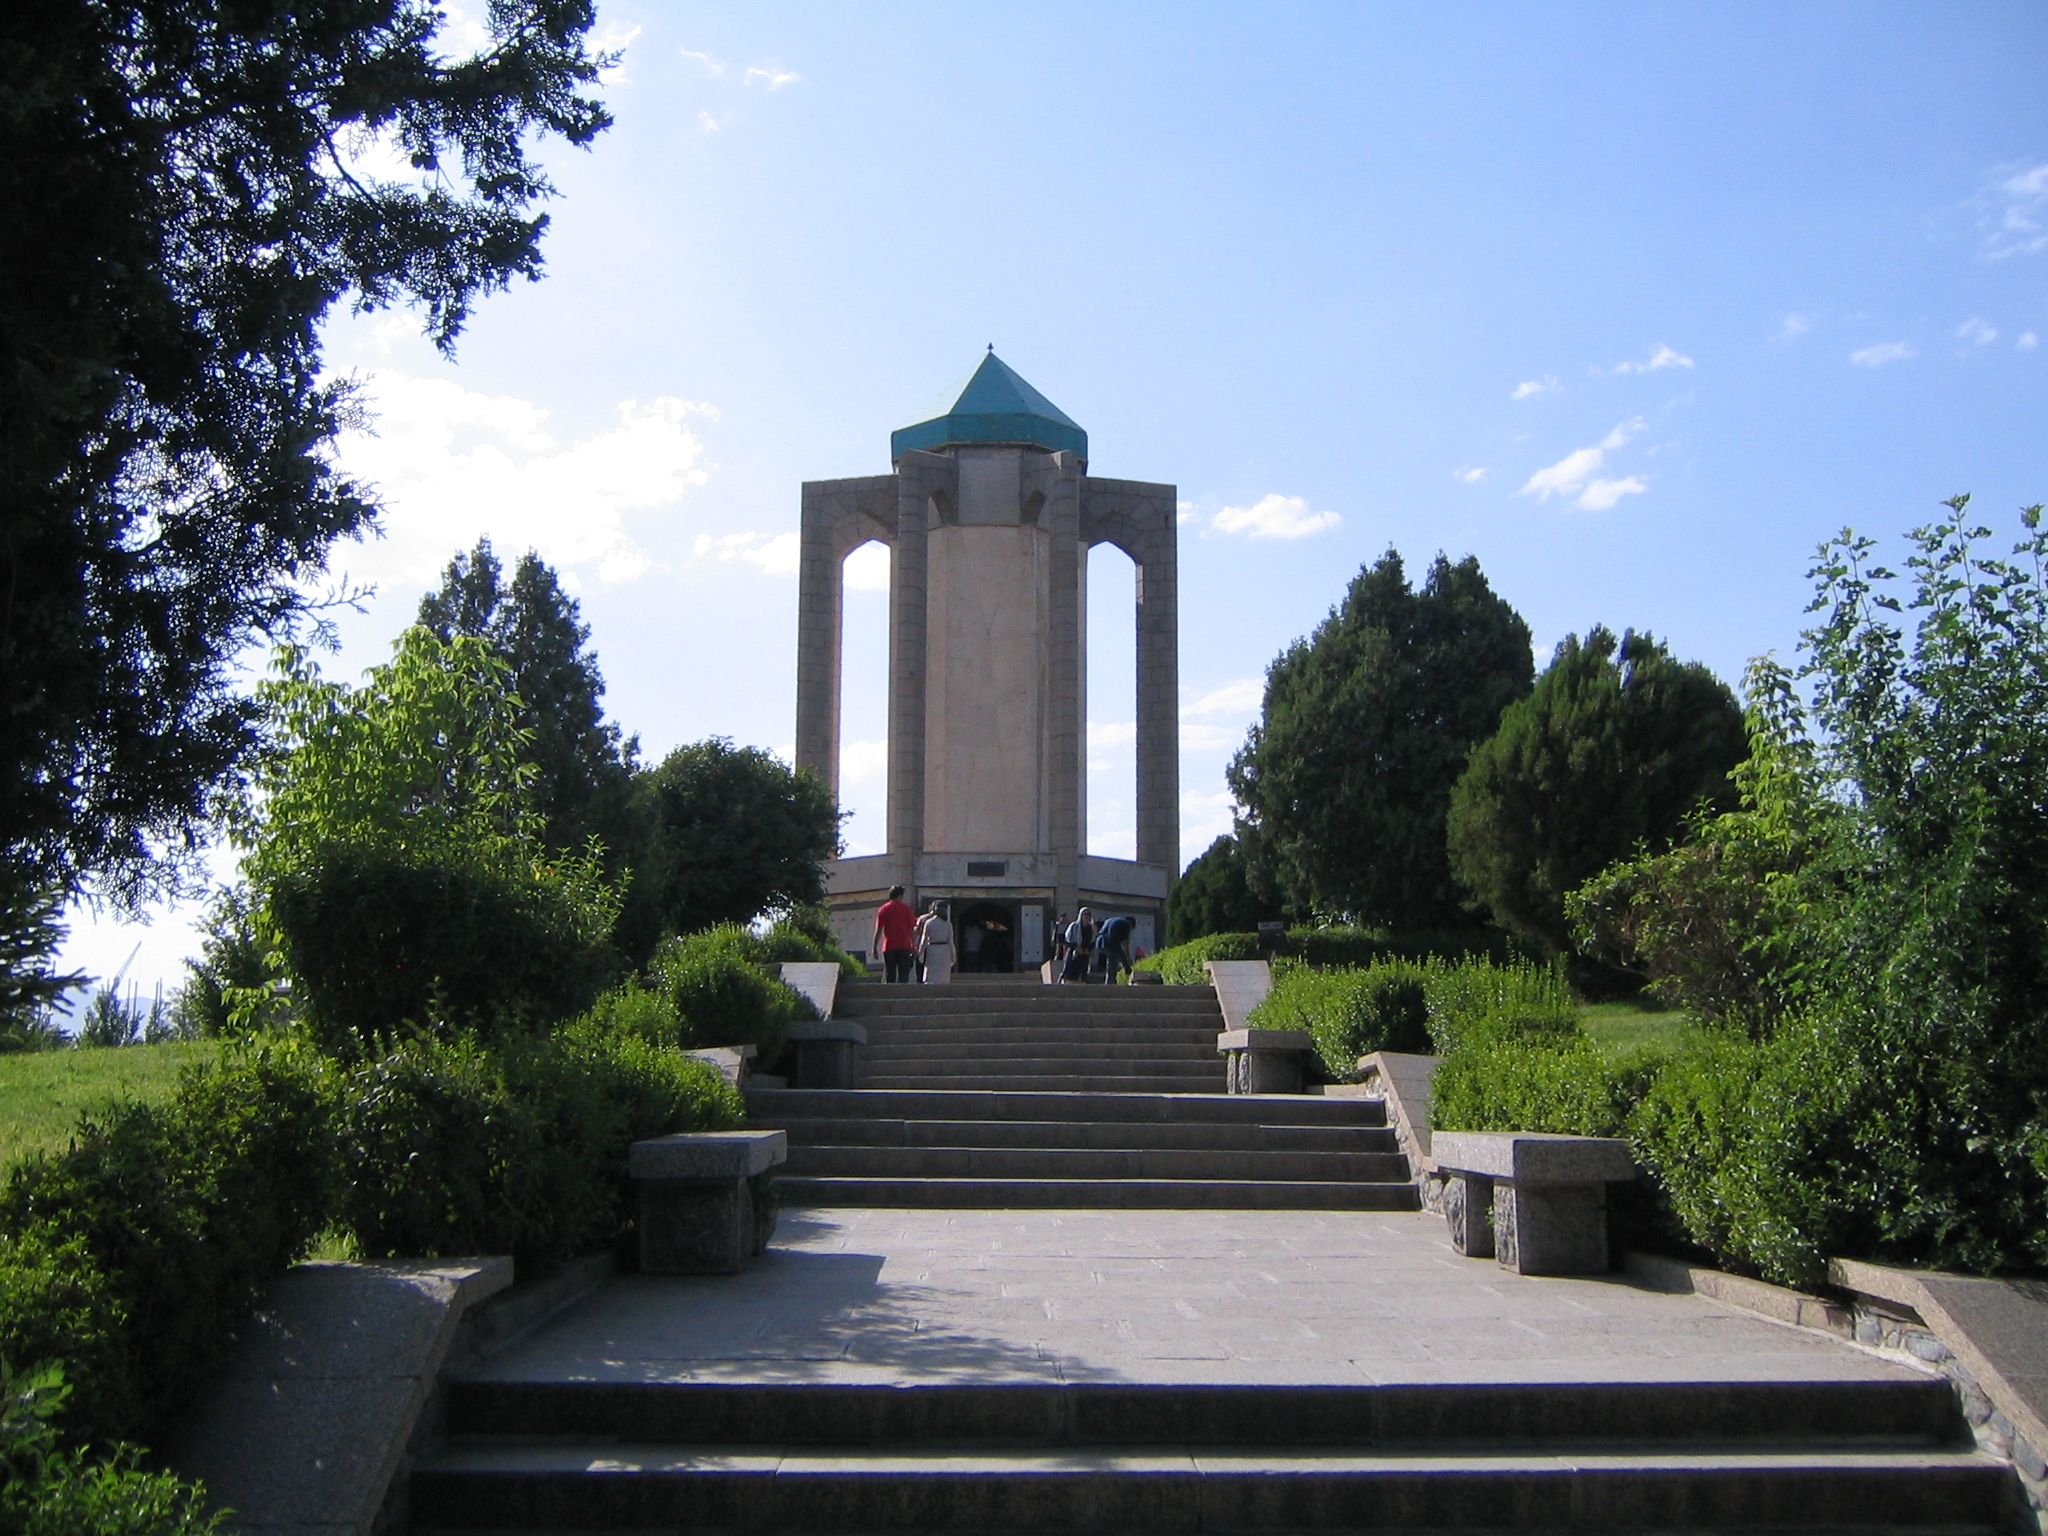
989	515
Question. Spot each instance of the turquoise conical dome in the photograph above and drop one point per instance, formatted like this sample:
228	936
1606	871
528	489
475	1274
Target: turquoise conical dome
994	406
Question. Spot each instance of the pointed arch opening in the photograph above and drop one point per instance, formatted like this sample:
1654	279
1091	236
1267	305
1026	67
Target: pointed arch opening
1110	685
864	699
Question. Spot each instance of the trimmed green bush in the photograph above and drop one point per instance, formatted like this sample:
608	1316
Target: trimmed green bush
1479	1000
1332	947
458	1149
1181	966
135	1255
1563	1086
794	938
722	996
1351	1013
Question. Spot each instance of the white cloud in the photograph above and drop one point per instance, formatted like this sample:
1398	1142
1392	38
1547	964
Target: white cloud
614	38
867	568
1536	388
452	465
1599	495
1977	331
1663	357
863	762
706	123
1242	697
1107	736
1570	474
1471	474
1203	819
1793	326
716	66
2016	213
1184	512
1879	355
775	553
2027	342
1275	516
774	79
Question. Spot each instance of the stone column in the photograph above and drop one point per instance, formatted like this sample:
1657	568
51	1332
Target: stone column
1159	696
918	475
1066	668
820	597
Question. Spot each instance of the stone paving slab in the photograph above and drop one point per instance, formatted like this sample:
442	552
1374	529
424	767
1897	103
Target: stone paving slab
1179	1297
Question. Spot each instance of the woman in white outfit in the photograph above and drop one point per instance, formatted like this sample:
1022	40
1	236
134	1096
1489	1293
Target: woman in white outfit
937	949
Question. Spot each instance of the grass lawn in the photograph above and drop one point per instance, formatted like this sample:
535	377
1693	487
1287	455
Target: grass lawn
41	1092
1618	1028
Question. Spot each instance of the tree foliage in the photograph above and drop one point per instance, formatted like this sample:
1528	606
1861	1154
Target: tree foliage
583	771
1216	894
1616	746
186	199
735	834
398	858
1346	779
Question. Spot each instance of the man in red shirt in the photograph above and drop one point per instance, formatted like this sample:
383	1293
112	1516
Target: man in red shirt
896	937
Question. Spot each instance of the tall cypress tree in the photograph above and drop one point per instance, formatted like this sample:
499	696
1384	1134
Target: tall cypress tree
1618	743
584	780
1345	780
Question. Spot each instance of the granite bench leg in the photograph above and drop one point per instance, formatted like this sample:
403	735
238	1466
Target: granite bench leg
696	1226
1468	1207
1551	1229
827	1064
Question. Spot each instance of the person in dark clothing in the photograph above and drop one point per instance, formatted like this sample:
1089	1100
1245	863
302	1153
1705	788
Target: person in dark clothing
896	937
1078	941
1113	948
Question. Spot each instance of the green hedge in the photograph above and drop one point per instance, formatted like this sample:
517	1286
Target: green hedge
1350	1013
134	1256
1332	947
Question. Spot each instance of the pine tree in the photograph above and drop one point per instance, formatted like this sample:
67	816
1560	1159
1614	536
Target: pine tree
1617	745
1345	780
1215	895
584	768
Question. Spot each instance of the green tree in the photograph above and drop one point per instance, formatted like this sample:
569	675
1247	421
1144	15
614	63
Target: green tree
1616	746
1346	779
736	834
583	770
1216	894
182	212
397	857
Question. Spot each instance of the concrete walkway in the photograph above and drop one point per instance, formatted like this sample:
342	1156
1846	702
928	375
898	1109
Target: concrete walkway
1170	1297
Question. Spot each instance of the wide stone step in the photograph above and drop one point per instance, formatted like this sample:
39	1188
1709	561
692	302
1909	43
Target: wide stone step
1038	1034
1701	1415
1075	1022
878	1052
780	1106
582	1487
1099	1194
1005	988
1048	1064
1053	1081
1110	1135
910	1002
825	1161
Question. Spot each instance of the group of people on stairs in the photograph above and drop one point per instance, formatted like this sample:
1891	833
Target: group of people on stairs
920	949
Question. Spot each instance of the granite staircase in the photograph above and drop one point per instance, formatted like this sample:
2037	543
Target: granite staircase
583	1456
1005	1093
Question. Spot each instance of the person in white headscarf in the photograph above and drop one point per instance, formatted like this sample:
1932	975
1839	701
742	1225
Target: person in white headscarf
935	949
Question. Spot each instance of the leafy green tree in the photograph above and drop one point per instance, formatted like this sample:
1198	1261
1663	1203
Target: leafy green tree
183	211
1347	777
398	859
1215	894
583	769
1616	746
736	834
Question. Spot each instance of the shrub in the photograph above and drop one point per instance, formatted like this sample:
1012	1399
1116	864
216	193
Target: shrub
1561	1085
136	1254
1350	1012
48	1490
1181	966
521	1149
1479	1000
379	942
722	996
804	937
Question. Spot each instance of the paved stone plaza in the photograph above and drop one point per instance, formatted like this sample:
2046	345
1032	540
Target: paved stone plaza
1226	1297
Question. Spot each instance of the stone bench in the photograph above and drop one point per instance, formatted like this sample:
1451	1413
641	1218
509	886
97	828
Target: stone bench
827	1053
1537	1204
1266	1060
697	1213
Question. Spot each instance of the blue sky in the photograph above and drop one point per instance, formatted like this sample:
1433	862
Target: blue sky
1635	303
